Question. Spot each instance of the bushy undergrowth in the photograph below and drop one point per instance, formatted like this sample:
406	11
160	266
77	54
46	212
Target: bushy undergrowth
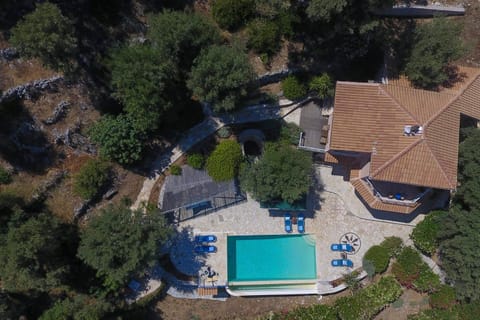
223	163
424	235
196	160
92	177
5	176
293	89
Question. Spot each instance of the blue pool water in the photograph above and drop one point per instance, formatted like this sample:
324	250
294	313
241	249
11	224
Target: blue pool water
271	258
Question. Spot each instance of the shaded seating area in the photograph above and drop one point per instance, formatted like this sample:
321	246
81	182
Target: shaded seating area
195	193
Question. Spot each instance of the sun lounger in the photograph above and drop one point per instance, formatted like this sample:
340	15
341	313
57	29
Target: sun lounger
288	222
301	223
205	249
205	238
341	247
342	263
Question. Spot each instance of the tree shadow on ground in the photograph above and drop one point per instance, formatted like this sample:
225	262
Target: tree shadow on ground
23	142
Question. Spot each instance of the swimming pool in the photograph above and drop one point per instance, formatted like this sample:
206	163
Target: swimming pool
271	259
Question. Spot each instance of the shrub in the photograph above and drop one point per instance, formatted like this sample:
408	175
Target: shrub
408	266
176	170
293	89
352	281
5	176
424	235
444	298
119	138
379	256
91	178
322	86
263	37
427	280
223	163
231	14
196	160
394	245
224	132
290	133
369	301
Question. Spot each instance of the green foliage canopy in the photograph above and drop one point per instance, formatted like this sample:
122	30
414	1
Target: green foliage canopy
32	255
443	298
263	36
92	177
80	307
424	235
324	10
119	138
322	86
437	44
427	281
5	176
282	173
46	34
195	160
293	89
379	256
231	14
141	79
119	242
180	36
369	301
408	266
223	163
220	76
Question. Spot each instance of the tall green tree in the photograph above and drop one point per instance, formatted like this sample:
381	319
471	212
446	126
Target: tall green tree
33	255
283	173
220	76
142	80
437	44
180	36
78	307
231	14
120	138
119	242
324	10
223	163
48	35
458	235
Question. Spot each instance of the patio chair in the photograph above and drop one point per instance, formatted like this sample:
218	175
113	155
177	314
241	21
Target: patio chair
342	263
205	238
205	249
288	222
341	247
301	223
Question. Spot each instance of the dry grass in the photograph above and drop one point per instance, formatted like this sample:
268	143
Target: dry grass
16	72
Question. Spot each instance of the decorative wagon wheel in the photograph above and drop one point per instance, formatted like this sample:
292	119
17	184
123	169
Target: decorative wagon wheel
353	240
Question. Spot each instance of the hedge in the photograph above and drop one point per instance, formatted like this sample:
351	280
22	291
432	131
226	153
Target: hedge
176	170
370	301
223	163
424	235
379	256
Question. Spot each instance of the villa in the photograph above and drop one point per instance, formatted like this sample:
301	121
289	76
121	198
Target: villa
400	144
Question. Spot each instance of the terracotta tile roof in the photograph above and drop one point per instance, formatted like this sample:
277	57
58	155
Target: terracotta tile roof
371	117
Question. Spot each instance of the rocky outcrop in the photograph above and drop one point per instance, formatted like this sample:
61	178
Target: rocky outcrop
9	54
31	90
58	113
75	140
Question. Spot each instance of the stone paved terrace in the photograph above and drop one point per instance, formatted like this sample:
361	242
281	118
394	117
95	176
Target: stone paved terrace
328	221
